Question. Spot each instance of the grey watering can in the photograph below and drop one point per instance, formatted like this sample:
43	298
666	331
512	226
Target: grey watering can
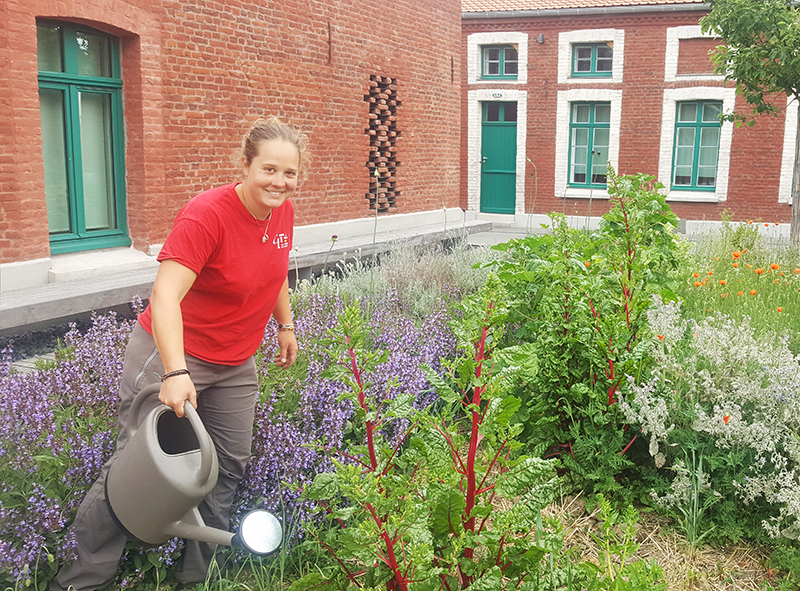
159	478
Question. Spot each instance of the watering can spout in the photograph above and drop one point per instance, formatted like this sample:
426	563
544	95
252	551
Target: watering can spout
159	478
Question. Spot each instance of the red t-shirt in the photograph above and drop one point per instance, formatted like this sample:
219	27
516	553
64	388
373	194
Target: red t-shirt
239	277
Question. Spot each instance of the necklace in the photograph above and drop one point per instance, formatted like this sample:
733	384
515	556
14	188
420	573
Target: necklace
269	218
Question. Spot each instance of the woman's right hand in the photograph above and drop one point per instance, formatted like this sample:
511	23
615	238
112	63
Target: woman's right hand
176	390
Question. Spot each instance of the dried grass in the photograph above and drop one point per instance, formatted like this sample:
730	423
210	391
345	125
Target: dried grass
733	568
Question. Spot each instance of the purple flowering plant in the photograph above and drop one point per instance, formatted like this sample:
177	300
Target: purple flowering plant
58	424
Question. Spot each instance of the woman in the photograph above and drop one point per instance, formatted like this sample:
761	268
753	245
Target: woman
223	274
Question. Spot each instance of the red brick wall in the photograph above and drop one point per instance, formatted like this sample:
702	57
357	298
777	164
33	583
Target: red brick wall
755	152
693	56
195	75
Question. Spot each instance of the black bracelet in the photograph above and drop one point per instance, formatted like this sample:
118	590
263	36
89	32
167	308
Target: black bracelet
177	372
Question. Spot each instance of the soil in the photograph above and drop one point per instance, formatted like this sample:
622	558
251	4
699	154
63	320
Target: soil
734	568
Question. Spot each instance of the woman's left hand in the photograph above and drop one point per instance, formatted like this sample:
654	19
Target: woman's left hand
287	353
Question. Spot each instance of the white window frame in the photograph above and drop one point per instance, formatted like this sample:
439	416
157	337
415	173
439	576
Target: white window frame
475	100
672	97
787	159
672	51
563	112
475	44
567	39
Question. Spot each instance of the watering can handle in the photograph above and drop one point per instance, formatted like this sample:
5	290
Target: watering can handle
207	450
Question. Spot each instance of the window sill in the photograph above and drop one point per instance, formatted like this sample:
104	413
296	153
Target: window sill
576	193
693	196
591	80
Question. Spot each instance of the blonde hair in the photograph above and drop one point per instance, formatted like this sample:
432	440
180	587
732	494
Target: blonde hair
272	128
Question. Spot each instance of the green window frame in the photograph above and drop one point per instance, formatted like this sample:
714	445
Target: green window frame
696	149
500	62
592	60
80	102
589	129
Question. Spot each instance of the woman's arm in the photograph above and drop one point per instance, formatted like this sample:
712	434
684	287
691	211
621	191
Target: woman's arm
172	283
287	342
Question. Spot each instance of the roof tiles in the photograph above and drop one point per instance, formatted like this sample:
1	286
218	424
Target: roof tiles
518	5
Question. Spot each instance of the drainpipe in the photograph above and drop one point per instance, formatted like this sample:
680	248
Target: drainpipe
589	11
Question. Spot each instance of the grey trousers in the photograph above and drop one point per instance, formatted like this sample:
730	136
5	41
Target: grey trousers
226	403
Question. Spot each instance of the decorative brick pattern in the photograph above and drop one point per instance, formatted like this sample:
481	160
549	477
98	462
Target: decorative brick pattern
383	135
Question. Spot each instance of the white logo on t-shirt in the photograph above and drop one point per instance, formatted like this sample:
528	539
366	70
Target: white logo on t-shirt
281	241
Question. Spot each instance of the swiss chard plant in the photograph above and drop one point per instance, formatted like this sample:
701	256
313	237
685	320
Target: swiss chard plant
578	300
448	503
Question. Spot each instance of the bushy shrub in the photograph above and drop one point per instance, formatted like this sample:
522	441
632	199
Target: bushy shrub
580	300
730	395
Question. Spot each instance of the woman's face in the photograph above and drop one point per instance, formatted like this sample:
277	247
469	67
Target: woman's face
271	177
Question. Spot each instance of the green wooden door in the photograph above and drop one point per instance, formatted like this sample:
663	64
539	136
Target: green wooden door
499	157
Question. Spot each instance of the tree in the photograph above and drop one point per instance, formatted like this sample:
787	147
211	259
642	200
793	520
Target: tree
762	56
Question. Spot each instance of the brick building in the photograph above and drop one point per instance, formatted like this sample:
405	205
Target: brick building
554	89
115	112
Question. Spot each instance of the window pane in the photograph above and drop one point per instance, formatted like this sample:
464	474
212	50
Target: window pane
94	55
493	112
602	113
687	112
96	155
49	49
600	144
580	113
707	159
510	54
583	59
604	58
711	112
54	154
510	68
510	112
580	154
491	61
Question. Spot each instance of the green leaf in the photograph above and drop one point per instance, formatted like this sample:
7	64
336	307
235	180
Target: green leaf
448	511
325	486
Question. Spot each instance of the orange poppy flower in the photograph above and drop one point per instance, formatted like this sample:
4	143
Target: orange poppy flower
795	271
697	284
724	295
780	309
781	273
736	254
744	250
716	258
740	293
777	223
776	281
587	263
749	266
726	418
759	270
774	266
660	337
753	292
750	222
766	225
735	265
722	282
711	272
695	275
